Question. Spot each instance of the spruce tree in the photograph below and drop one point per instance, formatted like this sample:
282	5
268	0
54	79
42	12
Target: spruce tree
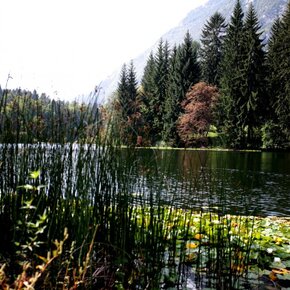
253	92
273	66
211	48
279	68
148	90
231	100
122	92
127	97
132	87
172	104
162	83
184	71
188	66
155	83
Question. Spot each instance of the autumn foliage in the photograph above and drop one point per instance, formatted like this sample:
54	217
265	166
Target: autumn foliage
194	123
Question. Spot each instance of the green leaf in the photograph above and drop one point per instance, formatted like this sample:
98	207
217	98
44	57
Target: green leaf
34	174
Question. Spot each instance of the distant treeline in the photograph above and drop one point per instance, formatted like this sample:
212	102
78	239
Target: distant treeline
231	87
26	117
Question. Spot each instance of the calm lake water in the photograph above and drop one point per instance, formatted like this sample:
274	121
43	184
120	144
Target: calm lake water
236	182
255	183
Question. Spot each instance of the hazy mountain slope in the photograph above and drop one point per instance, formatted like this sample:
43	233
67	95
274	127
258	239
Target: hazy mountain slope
267	11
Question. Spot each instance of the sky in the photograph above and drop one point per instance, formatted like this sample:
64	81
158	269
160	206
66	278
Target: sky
64	48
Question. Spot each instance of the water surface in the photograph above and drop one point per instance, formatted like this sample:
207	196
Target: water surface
237	182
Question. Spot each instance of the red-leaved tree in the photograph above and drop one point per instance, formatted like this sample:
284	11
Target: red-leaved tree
194	123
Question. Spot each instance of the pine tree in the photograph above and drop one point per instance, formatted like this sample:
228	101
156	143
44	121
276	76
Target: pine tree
172	104
184	71
231	100
155	83
127	96
253	102
132	88
148	89
211	48
162	83
272	67
188	68
279	66
122	92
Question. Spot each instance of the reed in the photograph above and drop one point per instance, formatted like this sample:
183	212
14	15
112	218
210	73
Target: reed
93	215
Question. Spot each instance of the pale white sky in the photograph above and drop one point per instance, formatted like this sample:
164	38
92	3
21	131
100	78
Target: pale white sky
66	47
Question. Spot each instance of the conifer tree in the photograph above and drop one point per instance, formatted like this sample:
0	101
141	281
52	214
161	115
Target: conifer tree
122	92
184	71
231	100
253	101
132	87
148	89
188	68
279	67
127	96
162	83
273	67
211	48
172	104
155	84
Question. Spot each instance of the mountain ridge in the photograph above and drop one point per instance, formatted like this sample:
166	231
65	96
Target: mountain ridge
194	21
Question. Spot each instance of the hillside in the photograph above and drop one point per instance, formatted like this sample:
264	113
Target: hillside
267	11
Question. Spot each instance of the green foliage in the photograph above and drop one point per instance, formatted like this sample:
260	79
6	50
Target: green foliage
231	56
167	77
231	81
279	72
130	121
148	88
211	40
28	118
253	74
188	68
273	137
243	80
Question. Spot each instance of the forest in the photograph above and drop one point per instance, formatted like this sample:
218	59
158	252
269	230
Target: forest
230	89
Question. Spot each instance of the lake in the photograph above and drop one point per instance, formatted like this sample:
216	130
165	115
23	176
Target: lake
238	182
255	183
89	185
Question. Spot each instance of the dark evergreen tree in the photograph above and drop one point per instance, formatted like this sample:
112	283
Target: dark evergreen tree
127	96
188	68
148	89
172	104
253	103
231	101
279	74
211	48
132	86
155	84
272	68
122	92
162	84
148	79
184	71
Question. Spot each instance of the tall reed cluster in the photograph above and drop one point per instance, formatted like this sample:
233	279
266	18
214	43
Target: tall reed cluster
93	215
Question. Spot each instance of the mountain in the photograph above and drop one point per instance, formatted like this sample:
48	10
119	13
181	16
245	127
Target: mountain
267	11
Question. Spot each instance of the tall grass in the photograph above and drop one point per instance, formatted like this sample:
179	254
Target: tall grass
93	215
